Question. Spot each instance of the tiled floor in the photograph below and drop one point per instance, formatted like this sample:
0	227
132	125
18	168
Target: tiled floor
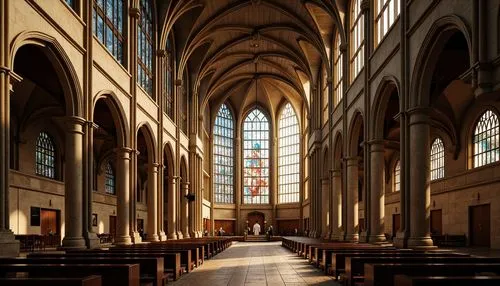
257	263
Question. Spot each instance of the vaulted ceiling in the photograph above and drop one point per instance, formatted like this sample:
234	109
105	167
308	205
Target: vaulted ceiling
232	48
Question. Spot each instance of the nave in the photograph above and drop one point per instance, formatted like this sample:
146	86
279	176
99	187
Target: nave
248	263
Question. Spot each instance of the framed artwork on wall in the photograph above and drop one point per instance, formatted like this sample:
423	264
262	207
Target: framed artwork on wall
94	219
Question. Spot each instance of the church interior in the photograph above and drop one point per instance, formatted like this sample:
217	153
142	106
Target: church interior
184	135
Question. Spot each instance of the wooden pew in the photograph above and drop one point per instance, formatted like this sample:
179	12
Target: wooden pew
93	280
151	268
197	250
111	274
318	251
171	261
338	259
404	280
354	266
383	274
186	258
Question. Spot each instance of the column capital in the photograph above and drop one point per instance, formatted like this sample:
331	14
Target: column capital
71	124
335	173
353	160
376	145
154	166
135	12
419	115
124	151
185	184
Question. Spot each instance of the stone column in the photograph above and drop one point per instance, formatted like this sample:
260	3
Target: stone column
123	196
185	210
377	192
161	203
152	201
172	222
352	228
336	205
8	245
325	210
420	193
73	183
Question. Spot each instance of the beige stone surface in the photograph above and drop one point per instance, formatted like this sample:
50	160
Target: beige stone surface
251	263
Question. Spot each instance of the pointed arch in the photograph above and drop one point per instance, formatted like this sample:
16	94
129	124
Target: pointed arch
118	114
355	132
150	139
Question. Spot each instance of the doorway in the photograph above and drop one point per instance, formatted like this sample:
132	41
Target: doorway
396	224
50	222
112	226
436	222
479	225
255	217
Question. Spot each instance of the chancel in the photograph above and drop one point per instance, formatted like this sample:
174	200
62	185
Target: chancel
145	142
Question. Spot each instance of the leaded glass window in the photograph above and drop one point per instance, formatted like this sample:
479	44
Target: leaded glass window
256	158
110	179
288	156
169	81
45	156
396	177
357	39
337	72
145	47
437	159
108	21
224	156
486	139
387	13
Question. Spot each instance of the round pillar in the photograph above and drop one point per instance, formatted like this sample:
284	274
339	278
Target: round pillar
377	192
123	196
352	228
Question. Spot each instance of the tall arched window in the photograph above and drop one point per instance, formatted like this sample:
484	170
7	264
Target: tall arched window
45	156
288	156
169	81
338	74
386	13
108	18
437	159
223	149
396	177
145	47
110	179
357	39
256	158
486	139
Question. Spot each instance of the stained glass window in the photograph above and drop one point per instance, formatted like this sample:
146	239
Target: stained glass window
169	81
45	156
145	47
108	18
110	180
288	156
387	12
224	156
256	158
437	159
486	139
337	72
357	39
396	177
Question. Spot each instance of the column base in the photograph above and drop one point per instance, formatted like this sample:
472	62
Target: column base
92	240
354	237
421	242
342	236
172	235
163	236
73	243
186	235
136	237
377	238
153	238
180	235
335	237
9	246
123	240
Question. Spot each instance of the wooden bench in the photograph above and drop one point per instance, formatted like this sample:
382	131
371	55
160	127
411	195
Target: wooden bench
92	280
186	258
171	261
338	259
382	274
404	280
111	274
151	268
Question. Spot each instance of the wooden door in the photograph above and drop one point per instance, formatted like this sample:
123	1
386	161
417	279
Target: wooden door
479	225
49	223
396	224
255	217
112	225
437	222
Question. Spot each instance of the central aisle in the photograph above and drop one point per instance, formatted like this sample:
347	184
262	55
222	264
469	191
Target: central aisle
256	263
